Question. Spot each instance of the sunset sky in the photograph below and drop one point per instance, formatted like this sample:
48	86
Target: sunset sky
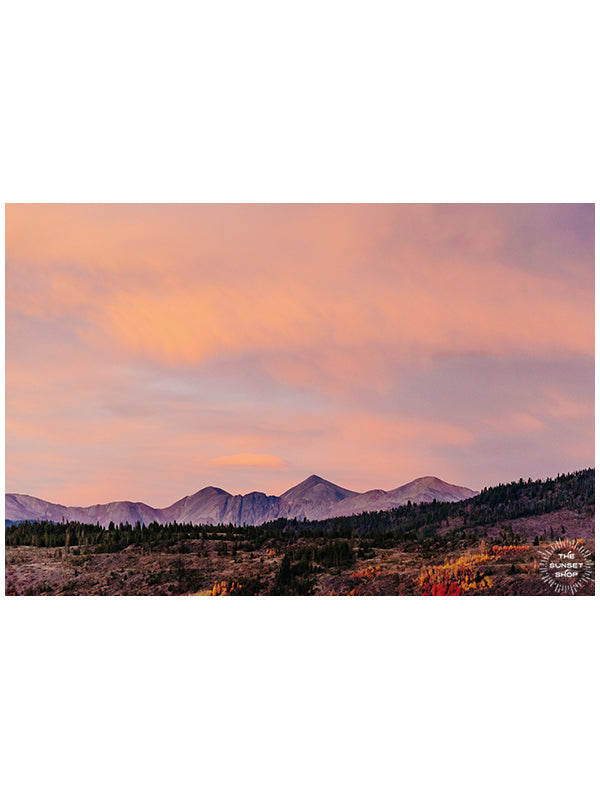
154	350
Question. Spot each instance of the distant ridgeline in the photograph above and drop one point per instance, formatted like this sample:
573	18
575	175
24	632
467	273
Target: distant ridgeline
573	491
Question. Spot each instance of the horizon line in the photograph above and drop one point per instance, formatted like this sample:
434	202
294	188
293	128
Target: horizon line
312	475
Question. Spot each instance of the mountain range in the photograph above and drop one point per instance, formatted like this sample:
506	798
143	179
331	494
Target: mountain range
315	498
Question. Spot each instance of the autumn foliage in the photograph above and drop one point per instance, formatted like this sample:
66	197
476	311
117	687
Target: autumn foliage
222	588
453	588
456	576
366	574
510	549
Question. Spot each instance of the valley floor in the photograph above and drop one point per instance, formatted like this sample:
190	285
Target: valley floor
497	560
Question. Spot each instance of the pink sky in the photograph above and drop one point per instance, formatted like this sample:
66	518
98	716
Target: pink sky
153	350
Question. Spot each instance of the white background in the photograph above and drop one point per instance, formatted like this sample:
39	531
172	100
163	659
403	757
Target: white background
314	102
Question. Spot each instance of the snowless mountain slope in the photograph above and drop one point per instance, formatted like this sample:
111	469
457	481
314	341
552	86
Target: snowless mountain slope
314	498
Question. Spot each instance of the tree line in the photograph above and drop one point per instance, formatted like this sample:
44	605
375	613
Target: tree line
412	523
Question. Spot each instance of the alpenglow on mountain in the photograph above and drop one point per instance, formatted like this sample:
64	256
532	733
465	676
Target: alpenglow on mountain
315	498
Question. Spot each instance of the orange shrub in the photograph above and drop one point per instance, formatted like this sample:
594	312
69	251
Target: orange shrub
367	574
222	588
456	576
510	549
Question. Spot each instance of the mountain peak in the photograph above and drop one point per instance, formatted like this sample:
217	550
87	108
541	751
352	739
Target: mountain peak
314	480
431	481
316	488
428	488
210	490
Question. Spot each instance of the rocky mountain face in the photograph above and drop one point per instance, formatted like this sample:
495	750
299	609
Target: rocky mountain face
314	498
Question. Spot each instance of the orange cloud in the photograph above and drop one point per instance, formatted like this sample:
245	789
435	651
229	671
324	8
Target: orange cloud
250	460
174	284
